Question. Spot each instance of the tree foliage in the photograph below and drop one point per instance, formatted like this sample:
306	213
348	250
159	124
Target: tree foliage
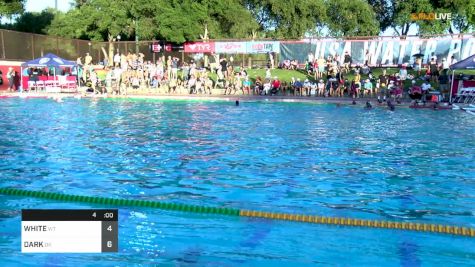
187	20
287	19
35	22
384	12
351	18
11	7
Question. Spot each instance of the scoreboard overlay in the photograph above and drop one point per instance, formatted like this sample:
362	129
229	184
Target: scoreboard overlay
69	231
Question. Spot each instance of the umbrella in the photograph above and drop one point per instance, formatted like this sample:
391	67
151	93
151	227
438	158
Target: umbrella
418	55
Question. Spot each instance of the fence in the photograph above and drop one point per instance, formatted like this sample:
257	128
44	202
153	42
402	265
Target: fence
26	46
21	46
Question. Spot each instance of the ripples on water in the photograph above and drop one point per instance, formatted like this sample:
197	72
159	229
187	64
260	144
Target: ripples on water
314	159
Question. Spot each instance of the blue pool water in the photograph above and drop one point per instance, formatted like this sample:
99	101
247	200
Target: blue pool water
407	165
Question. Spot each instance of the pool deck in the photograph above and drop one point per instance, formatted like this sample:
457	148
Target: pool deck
241	98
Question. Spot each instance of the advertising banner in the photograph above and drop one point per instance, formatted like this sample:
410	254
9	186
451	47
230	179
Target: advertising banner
260	47
386	52
199	47
230	47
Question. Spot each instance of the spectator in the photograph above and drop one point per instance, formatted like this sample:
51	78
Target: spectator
425	89
453	60
368	88
307	87
11	79
321	88
347	62
403	72
434	70
174	75
87	60
258	87
383	79
418	65
444	83
321	67
445	64
275	86
117	59
246	85
297	86
267	87
415	92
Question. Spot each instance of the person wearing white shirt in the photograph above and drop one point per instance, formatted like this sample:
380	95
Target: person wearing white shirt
310	58
425	90
425	86
453	60
321	88
117	60
445	64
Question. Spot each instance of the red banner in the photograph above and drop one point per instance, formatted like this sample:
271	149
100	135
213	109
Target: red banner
199	47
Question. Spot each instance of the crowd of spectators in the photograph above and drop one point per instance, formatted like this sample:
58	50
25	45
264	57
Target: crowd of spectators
326	78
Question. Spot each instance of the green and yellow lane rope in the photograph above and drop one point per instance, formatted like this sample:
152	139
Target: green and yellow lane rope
421	227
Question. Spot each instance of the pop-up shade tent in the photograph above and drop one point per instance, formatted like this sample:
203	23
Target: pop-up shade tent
48	60
466	64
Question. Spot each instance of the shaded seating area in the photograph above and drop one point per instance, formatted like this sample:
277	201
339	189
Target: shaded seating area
49	73
463	87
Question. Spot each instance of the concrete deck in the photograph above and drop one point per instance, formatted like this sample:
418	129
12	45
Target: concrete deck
202	97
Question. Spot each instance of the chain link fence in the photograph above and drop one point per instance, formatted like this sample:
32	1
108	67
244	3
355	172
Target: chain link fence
23	46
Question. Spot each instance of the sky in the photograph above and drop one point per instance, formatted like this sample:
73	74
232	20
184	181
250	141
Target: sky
39	5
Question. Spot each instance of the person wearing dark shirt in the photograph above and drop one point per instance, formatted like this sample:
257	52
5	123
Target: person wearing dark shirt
347	62
224	66
434	70
298	87
444	83
340	83
383	79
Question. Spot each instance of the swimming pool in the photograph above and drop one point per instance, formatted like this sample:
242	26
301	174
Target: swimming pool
410	165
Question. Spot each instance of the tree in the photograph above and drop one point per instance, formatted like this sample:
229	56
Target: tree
227	19
171	20
402	14
463	14
351	18
9	8
384	11
34	22
287	18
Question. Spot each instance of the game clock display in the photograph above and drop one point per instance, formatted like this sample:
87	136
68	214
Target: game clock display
69	231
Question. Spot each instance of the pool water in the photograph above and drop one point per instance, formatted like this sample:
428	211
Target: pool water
320	159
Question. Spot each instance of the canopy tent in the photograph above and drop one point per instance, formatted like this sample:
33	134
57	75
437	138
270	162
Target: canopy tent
466	64
48	60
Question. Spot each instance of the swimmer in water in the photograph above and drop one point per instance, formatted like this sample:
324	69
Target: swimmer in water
368	105
237	102
354	102
390	105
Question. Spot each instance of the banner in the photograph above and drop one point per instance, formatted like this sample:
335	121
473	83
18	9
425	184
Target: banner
258	47
199	47
230	47
386	52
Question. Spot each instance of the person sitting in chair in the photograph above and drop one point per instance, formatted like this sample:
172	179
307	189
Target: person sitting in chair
275	86
298	87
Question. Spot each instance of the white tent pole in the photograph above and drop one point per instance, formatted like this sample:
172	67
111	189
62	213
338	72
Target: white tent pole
54	77
451	86
21	79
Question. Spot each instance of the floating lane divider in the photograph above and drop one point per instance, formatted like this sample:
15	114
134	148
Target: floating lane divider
404	226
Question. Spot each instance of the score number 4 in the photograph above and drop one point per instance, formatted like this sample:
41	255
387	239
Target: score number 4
107	215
